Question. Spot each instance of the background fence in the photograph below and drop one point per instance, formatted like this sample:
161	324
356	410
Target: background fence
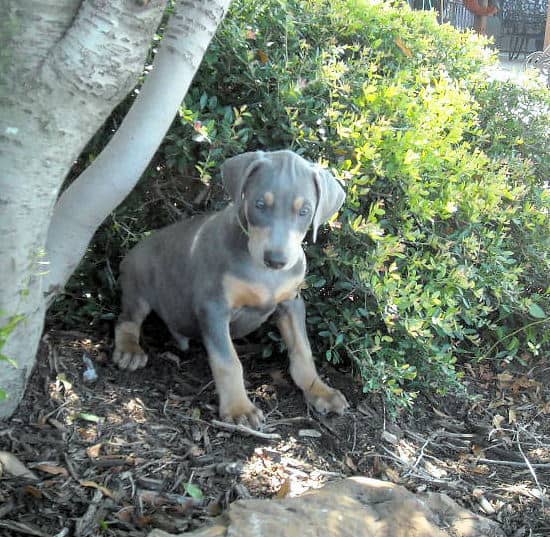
518	27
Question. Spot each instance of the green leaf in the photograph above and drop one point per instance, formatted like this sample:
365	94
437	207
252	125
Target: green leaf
4	358
89	417
536	311
194	491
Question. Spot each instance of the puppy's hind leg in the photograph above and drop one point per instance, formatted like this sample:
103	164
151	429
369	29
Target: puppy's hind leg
128	353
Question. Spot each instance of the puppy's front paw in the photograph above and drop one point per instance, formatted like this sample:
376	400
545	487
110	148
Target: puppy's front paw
242	413
325	399
129	356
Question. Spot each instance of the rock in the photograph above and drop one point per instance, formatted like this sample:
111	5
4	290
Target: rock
354	507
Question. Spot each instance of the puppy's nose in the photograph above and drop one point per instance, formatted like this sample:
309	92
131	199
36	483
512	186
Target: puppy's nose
275	259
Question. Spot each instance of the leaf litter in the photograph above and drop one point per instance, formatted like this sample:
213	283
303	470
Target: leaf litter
133	452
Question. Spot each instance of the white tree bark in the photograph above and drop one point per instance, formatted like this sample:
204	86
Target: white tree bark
114	173
65	65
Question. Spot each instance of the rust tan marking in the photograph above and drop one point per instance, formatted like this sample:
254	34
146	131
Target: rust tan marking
127	337
239	293
298	203
289	290
320	389
269	198
302	368
234	402
228	375
127	353
258	234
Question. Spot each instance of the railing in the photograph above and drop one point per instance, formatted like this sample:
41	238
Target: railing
521	23
519	28
424	4
452	11
457	15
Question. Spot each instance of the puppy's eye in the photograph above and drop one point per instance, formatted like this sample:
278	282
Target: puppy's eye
260	204
304	211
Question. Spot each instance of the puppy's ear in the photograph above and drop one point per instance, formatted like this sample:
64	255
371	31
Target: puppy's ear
330	197
236	170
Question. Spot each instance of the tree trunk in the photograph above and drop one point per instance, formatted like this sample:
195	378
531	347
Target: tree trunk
66	64
115	172
547	30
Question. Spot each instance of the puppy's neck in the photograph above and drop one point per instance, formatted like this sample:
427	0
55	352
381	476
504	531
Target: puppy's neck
240	218
235	226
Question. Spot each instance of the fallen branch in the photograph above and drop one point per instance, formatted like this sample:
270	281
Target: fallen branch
515	463
158	499
20	527
290	421
420	473
89	521
244	430
421	454
532	470
220	468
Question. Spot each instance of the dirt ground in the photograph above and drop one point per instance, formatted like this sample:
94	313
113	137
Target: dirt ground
134	451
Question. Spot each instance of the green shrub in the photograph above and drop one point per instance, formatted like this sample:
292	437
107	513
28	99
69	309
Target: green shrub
7	326
440	252
515	124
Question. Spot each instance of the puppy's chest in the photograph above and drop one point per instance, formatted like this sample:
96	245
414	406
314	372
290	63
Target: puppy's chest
260	294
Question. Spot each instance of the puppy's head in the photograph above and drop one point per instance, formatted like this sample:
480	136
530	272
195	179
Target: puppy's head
280	194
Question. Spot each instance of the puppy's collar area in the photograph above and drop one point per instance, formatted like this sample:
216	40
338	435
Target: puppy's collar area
244	229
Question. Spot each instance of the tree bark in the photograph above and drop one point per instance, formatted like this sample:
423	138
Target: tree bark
114	173
547	30
66	64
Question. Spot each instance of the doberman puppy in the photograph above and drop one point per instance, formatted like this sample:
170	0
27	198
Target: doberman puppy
222	275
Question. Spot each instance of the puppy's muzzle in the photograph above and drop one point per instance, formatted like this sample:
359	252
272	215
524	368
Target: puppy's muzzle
275	259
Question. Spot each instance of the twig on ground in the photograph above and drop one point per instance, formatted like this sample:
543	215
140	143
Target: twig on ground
326	473
324	423
420	473
448	484
515	463
289	421
70	467
486	505
6	508
220	468
56	409
158	499
88	522
429	440
181	475
244	430
20	527
531	469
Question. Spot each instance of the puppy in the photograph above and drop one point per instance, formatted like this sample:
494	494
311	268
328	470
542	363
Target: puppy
220	276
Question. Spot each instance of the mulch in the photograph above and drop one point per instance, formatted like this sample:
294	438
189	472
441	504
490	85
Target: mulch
129	452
